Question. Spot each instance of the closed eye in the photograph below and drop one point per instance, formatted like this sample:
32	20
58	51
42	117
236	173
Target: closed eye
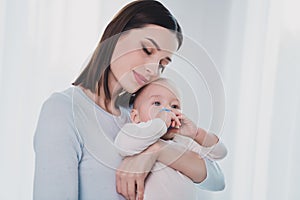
146	50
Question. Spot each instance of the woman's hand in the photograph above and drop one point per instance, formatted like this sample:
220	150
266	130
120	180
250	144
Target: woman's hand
131	174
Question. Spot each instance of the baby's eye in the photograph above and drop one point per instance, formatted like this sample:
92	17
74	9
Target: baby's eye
156	103
175	107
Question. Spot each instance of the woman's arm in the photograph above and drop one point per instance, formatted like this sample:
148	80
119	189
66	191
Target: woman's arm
204	172
133	170
135	138
131	174
57	152
181	159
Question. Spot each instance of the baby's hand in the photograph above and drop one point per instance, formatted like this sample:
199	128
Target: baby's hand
188	127
169	118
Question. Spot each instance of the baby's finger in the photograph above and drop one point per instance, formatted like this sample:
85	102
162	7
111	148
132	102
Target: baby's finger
173	123
176	112
176	120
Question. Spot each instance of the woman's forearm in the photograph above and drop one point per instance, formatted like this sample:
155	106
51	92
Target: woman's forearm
179	158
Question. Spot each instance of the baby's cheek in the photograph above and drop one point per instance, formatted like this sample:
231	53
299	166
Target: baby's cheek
153	113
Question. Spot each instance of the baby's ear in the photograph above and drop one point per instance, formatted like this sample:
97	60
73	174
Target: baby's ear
134	116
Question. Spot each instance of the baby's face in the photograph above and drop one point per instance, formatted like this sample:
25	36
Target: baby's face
155	97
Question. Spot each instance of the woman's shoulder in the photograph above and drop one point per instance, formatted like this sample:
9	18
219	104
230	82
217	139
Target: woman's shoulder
56	126
61	98
59	102
56	117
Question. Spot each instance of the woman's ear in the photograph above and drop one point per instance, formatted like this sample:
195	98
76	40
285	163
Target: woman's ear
134	116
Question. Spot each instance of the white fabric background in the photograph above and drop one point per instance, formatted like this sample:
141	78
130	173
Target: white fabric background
254	43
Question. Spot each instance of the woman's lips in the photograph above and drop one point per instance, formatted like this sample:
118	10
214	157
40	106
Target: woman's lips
140	79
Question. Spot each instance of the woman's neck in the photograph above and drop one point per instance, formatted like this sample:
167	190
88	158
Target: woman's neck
106	104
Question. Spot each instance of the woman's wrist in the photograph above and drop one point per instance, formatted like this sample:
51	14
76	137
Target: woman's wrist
168	153
155	149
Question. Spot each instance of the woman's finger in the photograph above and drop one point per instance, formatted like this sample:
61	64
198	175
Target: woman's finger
118	181
131	189
123	185
140	188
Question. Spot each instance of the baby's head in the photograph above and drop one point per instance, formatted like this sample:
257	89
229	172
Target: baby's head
152	98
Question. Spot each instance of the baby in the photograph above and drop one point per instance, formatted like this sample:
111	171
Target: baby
156	116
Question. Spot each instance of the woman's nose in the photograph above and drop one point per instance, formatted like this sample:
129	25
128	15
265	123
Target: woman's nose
153	69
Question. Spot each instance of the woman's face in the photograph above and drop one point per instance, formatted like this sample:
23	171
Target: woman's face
141	55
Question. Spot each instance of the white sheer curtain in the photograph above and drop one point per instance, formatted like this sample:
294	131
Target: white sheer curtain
255	45
266	117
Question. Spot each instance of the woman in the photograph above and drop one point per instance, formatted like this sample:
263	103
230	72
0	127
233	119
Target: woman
75	157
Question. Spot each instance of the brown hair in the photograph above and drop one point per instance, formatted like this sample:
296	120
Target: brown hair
136	14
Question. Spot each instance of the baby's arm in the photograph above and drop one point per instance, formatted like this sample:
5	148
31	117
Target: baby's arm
209	143
215	152
135	138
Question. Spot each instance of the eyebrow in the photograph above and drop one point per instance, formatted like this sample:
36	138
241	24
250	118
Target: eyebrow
154	43
158	48
157	96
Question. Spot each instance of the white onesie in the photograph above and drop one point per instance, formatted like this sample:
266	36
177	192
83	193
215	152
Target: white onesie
163	182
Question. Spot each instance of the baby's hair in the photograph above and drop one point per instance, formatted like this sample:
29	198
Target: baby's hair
161	79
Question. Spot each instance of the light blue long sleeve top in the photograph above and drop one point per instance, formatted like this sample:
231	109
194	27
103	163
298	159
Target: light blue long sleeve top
75	157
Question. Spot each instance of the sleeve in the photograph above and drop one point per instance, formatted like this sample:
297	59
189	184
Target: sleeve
215	152
134	138
214	179
57	152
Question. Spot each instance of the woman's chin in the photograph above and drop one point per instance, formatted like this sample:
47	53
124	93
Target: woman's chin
133	89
